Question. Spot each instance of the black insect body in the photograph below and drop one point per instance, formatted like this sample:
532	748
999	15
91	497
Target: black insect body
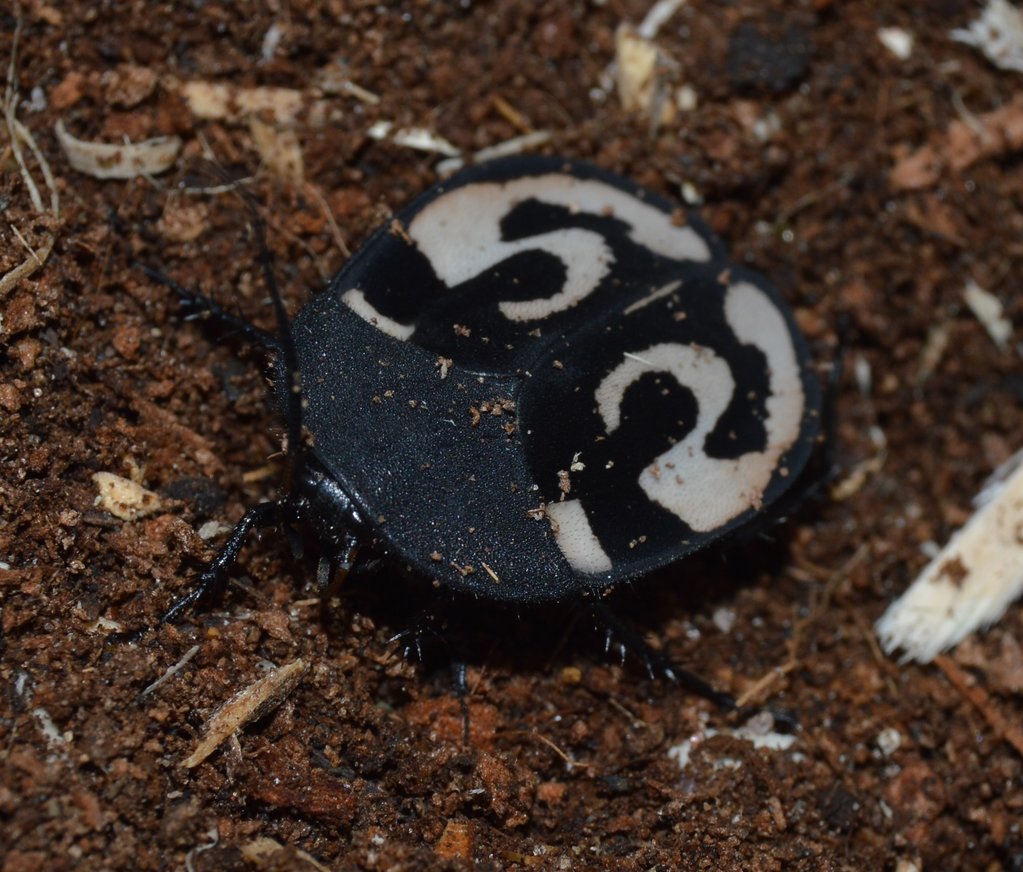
536	382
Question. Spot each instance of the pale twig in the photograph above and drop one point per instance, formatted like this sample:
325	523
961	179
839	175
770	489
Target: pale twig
28	247
171	671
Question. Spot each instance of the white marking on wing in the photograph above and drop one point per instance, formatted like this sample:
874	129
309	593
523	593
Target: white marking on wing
356	300
707	492
460	234
757	321
575	537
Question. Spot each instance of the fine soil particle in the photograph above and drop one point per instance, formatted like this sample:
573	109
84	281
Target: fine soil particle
785	120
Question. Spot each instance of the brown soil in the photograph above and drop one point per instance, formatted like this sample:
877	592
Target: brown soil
363	765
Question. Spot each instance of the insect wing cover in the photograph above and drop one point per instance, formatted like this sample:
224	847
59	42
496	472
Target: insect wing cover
540	379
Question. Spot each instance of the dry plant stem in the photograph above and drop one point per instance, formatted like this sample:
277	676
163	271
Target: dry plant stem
10	99
799	627
25	135
962	682
17	133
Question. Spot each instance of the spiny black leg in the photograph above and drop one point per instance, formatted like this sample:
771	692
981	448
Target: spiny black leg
214	576
829	404
656	664
459	679
426	624
334	568
295	542
325	570
203	305
211	583
367	564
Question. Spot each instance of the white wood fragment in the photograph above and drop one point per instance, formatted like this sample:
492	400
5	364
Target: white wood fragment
973	579
334	79
360	93
863	373
998	33
271	40
212	529
54	738
515	145
758	731
247	705
934	349
213	101
639	65
103	160
418	138
124	498
171	671
263	852
657	16
988	310
898	41
724	619
691	194
279	149
888	741
105	625
767	127
686	98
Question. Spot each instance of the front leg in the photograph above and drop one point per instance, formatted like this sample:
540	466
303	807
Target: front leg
214	577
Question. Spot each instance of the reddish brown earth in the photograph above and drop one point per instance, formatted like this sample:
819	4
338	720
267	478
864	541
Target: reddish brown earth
363	765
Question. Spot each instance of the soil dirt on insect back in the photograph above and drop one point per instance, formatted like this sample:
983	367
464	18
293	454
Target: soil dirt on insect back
786	121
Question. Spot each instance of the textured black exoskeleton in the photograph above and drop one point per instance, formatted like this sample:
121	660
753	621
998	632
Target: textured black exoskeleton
537	381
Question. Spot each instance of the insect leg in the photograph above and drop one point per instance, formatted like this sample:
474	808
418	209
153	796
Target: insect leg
459	673
428	625
829	408
656	664
211	582
202	305
334	567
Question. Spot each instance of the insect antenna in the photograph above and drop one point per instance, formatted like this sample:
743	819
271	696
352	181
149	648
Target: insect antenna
287	366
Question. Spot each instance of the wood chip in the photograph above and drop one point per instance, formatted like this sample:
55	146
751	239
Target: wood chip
265	852
103	160
642	72
279	150
971	581
418	138
989	310
216	102
124	498
247	705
